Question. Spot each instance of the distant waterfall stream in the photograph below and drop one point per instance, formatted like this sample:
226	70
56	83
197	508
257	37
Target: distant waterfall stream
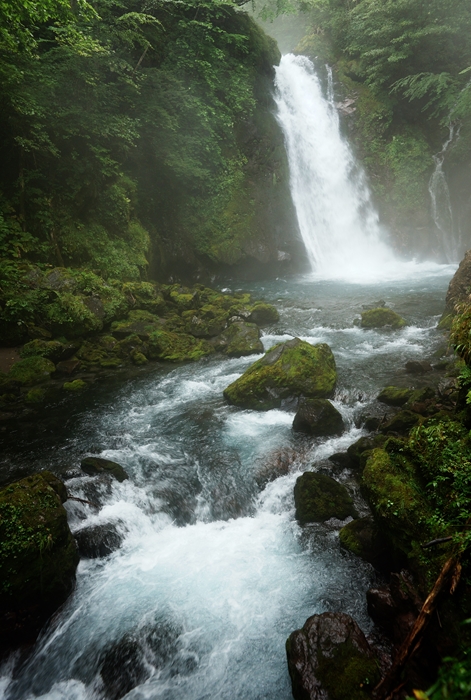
338	223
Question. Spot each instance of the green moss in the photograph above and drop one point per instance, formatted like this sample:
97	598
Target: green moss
69	315
394	396
294	368
263	314
239	339
176	347
75	386
138	322
35	396
138	358
38	556
347	674
51	349
206	322
32	370
319	497
381	318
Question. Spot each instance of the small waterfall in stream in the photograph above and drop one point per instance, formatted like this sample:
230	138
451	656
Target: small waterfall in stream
442	212
338	223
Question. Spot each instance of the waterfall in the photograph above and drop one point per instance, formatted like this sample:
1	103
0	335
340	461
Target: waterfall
442	213
338	223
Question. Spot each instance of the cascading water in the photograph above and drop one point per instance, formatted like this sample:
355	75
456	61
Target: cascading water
442	212
338	223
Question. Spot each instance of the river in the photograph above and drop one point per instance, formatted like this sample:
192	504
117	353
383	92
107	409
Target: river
213	571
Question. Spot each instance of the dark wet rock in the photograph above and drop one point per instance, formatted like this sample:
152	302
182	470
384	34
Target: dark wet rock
32	370
263	314
98	465
372	423
318	497
98	540
318	417
239	339
330	659
341	459
357	450
292	369
394	607
418	367
277	464
381	318
38	556
68	366
394	395
381	304
123	667
401	423
363	538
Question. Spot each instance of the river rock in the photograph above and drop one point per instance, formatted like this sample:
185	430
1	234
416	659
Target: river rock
32	370
139	323
330	659
123	667
381	318
363	538
395	395
98	541
401	423
418	367
239	339
38	556
289	370
318	497
263	314
394	607
176	347
358	450
98	465
318	417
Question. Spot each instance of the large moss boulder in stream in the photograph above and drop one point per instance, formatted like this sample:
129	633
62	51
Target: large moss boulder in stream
289	370
381	318
38	555
395	395
318	417
176	347
318	497
330	659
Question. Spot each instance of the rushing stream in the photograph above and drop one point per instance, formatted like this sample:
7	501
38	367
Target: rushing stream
213	571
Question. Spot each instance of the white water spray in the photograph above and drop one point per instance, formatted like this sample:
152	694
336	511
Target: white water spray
338	223
442	212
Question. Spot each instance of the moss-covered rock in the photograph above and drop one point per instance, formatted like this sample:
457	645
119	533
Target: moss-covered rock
98	465
318	417
36	396
176	347
239	339
357	451
52	349
75	386
138	358
263	314
206	322
32	370
318	497
146	296
395	495
38	556
141	323
401	423
363	538
73	315
394	395
291	369
381	318
330	658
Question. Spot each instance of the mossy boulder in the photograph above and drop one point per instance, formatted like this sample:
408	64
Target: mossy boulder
32	370
318	417
330	659
363	538
394	395
98	465
206	322
263	314
381	318
52	349
358	450
239	339
292	369
176	347
38	556
318	497
36	396
140	323
73	315
401	423
395	495
146	296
